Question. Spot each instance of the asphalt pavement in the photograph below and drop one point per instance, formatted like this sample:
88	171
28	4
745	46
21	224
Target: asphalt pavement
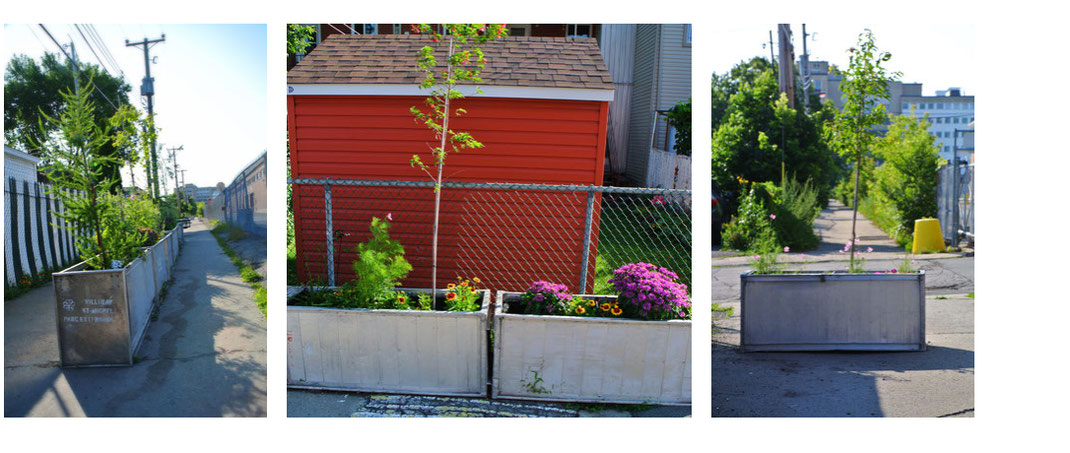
204	355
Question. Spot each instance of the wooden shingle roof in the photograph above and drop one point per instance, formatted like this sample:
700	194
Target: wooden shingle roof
511	62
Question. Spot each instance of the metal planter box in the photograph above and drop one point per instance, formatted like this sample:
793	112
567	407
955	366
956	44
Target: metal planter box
832	311
392	351
102	315
599	360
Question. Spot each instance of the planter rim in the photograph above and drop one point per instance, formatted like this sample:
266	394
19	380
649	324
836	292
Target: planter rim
483	306
71	270
832	275
500	313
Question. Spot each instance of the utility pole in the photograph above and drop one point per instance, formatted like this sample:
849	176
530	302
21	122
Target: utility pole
74	66
772	59
787	63
804	63
148	91
174	165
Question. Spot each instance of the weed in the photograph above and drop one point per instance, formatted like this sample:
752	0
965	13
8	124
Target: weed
941	298
723	311
970	295
535	386
248	275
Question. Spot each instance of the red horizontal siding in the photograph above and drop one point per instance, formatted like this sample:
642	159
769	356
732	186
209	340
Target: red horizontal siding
507	238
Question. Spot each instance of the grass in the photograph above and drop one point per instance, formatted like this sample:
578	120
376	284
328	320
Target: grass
626	234
727	311
970	295
248	274
885	219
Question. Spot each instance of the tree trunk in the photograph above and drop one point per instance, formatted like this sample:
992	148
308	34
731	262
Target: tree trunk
438	180
854	213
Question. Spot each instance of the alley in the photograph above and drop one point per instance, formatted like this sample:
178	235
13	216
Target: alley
204	354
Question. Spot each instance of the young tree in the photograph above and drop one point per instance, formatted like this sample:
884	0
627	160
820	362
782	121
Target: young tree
76	164
864	86
464	60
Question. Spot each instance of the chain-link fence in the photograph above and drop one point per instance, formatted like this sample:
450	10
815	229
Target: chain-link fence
955	203
507	235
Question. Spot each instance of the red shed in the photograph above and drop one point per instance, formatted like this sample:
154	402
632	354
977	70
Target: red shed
541	117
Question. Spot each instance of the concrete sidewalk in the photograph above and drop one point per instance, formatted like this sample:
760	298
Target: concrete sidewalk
938	382
203	356
833	227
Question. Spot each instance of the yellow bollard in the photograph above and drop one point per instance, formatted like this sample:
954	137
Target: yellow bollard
927	236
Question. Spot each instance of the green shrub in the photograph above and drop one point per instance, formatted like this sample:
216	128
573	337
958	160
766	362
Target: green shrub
380	267
788	213
906	181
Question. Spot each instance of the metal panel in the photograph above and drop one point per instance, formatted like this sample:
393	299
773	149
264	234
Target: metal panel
161	263
140	292
393	351
92	317
841	311
590	359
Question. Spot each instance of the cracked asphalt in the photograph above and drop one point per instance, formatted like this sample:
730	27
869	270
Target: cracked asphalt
203	356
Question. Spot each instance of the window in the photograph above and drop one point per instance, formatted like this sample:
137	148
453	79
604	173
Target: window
371	29
930	106
818	84
687	34
947	149
397	29
579	31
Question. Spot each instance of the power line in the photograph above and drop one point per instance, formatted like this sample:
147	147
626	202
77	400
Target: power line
92	30
77	66
90	46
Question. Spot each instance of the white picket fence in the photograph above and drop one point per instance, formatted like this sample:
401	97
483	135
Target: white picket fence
35	238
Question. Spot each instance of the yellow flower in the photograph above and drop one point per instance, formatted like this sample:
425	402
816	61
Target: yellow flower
580	310
451	286
472	290
401	299
605	306
451	296
464	283
591	303
476	279
616	311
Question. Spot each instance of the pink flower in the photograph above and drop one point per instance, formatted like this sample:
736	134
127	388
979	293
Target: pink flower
658	199
772	216
869	249
787	249
757	257
390	216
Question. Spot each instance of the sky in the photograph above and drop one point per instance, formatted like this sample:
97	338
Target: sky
937	55
210	82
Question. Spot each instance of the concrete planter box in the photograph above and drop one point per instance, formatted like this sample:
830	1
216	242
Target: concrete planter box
101	315
392	351
601	360
832	311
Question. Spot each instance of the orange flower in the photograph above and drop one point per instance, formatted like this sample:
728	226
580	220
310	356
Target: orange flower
451	296
464	283
580	310
401	299
616	311
451	286
476	279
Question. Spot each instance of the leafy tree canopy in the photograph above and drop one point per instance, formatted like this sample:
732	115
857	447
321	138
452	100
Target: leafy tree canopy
32	89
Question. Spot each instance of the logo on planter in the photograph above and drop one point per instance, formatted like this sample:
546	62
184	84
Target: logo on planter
68	305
